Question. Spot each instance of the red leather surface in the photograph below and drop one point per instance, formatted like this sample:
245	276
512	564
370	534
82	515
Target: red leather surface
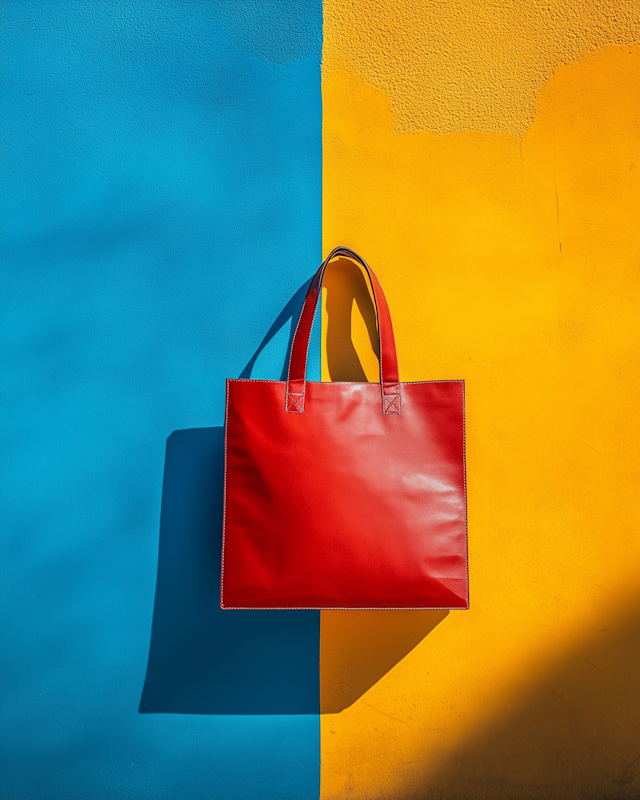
342	506
344	495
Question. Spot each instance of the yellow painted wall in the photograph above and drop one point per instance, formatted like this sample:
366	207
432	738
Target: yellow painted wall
456	65
510	259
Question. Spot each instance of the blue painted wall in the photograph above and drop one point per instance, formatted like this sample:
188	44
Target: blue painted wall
161	207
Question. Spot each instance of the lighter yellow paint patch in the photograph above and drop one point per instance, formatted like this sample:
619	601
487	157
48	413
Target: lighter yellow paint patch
462	65
512	264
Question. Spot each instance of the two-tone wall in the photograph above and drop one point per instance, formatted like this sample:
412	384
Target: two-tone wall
172	174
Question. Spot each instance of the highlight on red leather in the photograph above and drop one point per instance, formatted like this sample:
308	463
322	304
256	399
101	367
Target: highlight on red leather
344	495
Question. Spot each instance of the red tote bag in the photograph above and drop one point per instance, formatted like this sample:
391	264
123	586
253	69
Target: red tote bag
344	495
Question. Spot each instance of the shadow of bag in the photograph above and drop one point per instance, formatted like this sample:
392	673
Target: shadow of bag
344	495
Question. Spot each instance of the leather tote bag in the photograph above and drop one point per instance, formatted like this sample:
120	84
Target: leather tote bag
344	495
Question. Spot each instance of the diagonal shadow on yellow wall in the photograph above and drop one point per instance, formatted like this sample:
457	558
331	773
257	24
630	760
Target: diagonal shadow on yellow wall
570	728
561	735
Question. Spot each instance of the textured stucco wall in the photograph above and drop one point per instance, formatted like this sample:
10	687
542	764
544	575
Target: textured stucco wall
501	217
468	65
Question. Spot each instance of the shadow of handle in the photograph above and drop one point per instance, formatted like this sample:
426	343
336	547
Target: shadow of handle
345	285
290	312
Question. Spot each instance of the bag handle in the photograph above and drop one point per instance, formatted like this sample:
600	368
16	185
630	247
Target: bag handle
296	375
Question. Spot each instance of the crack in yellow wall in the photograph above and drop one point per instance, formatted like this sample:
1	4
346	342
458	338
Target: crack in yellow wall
462	65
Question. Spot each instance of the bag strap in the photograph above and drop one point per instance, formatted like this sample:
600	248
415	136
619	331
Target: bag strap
296	375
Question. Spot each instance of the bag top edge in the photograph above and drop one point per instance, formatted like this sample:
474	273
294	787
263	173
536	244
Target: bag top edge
344	383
